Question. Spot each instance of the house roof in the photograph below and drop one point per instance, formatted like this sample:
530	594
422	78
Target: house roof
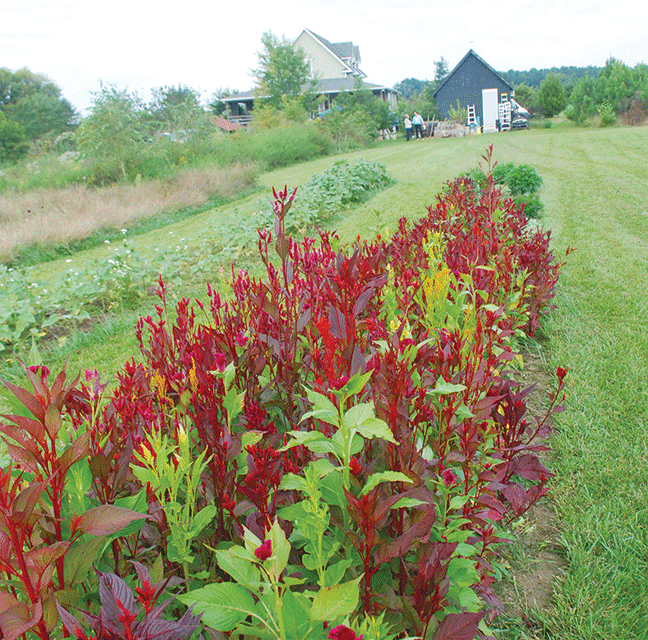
481	61
335	85
342	51
323	86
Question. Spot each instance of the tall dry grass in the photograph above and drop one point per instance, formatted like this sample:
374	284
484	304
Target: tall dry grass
57	216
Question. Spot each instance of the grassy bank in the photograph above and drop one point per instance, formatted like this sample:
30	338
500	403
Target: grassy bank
595	192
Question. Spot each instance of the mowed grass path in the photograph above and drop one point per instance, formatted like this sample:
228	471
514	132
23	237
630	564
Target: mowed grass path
596	196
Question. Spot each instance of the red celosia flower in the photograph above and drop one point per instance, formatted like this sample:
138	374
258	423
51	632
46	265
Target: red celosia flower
354	466
40	370
240	339
449	478
264	551
561	372
342	633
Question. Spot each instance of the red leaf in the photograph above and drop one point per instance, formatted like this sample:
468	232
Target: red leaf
33	427
16	620
108	519
79	449
459	626
25	502
53	420
23	458
29	400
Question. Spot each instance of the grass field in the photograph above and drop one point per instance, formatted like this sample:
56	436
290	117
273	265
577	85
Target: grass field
596	197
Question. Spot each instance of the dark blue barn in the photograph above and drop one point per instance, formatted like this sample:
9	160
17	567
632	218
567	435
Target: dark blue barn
473	82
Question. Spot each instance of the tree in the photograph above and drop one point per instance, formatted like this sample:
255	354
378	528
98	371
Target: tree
112	136
552	97
409	87
42	113
527	97
282	70
13	140
177	108
35	102
441	70
18	84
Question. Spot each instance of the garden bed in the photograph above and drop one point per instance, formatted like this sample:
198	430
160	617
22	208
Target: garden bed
335	450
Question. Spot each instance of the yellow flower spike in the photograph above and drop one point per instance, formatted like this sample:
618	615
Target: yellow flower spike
193	379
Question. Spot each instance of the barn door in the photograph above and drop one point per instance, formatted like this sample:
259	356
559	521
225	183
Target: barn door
489	104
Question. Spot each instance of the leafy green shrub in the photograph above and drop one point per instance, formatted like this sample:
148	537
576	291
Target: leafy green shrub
522	181
608	116
332	191
156	165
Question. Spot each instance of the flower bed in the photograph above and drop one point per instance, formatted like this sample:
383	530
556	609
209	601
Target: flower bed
334	450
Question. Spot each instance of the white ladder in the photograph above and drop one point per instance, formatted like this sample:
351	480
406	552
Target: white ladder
472	118
504	112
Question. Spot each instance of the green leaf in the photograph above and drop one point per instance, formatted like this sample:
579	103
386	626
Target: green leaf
457	502
239	563
280	550
404	503
463	412
294	511
330	417
339	600
233	403
444	388
223	605
313	440
355	385
462	572
79	559
358	413
201	520
335	572
137	503
384	476
295	616
293	482
321	402
376	428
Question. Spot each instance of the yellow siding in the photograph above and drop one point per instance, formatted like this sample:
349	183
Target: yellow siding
323	63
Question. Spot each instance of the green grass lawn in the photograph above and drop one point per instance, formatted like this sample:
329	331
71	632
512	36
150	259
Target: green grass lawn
596	197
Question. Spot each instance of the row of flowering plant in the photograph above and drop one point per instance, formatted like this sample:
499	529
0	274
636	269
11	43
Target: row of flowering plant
334	450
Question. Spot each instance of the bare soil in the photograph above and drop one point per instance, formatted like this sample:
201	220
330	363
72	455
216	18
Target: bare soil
537	563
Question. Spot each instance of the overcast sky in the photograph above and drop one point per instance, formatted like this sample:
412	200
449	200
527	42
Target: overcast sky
139	44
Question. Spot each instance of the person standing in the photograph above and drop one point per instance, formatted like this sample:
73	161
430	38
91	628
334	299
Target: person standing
417	121
408	127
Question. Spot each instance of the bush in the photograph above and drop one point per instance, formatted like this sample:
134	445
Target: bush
522	181
608	116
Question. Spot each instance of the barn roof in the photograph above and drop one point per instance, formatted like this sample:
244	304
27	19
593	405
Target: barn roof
482	62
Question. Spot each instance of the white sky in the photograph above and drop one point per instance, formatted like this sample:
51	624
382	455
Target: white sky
139	44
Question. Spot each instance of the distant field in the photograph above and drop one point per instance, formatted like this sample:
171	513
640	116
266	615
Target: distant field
596	197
